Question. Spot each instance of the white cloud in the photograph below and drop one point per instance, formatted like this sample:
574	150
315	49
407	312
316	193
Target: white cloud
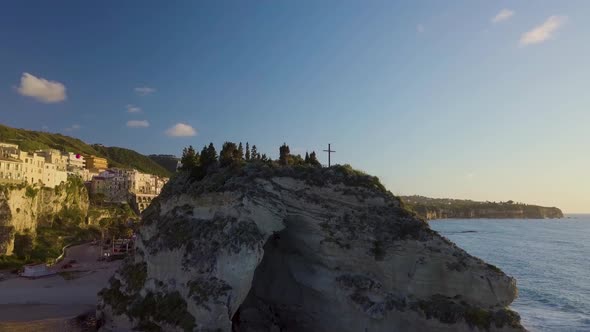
133	109
503	15
543	32
138	124
420	28
41	89
181	130
73	127
144	91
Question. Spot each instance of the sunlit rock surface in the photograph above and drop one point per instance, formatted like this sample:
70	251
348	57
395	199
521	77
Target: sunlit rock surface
23	208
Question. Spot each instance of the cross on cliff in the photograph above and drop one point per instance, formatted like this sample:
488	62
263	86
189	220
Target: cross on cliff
329	154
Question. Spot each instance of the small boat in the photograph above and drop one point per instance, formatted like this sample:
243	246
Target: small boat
34	271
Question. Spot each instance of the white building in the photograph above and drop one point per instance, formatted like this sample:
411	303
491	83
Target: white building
118	184
46	167
33	167
75	161
11	170
53	176
55	157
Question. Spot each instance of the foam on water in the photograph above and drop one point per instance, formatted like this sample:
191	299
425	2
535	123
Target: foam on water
550	260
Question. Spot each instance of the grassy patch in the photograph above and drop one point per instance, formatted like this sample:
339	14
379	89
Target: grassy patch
31	192
134	275
169	308
50	240
478	317
11	262
494	268
114	297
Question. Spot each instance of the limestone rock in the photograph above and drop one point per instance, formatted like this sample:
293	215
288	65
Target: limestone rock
24	207
261	248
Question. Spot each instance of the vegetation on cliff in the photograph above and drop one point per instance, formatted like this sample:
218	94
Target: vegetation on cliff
126	158
233	157
169	162
441	208
225	214
30	140
60	219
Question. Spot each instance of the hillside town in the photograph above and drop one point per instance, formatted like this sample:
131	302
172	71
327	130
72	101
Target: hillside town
51	167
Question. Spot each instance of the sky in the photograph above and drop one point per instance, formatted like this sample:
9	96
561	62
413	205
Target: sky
462	99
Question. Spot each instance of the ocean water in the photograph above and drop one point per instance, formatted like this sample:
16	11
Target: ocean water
550	260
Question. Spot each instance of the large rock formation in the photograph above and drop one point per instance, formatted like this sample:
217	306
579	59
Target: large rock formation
261	248
23	208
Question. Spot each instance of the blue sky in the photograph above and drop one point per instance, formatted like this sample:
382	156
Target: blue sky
436	98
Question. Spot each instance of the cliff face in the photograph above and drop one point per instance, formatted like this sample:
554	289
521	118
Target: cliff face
25	207
307	249
538	212
441	208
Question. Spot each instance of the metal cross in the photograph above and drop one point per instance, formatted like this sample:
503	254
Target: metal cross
329	154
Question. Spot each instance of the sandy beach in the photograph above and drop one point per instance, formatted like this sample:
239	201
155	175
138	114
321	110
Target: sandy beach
51	303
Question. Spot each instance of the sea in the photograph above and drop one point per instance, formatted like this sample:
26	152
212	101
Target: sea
549	258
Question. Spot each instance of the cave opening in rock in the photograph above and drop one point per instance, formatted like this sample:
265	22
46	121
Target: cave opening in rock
277	300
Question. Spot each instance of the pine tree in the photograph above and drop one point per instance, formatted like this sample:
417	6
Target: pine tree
203	155
306	157
313	160
284	153
208	156
255	154
247	151
240	153
212	153
189	158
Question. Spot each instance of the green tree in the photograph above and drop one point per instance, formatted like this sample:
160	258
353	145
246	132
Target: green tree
23	245
228	155
306	157
208	156
284	154
296	160
190	158
240	152
247	156
255	154
313	160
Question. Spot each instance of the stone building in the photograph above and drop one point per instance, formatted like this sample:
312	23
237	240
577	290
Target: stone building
33	167
11	170
47	167
96	164
118	185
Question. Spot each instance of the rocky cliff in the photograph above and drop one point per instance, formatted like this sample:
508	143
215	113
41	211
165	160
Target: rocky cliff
25	207
263	248
443	208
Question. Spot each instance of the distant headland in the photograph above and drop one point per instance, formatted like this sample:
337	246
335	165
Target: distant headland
444	208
